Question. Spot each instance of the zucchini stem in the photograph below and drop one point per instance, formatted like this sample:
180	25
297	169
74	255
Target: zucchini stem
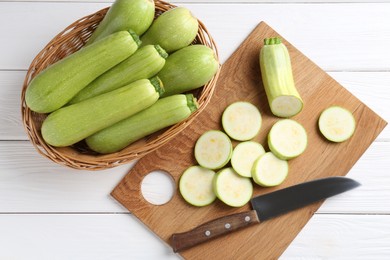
272	41
161	51
135	37
192	102
157	84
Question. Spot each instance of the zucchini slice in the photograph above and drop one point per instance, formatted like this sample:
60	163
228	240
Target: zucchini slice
287	139
213	149
241	120
196	186
231	188
268	170
244	155
337	124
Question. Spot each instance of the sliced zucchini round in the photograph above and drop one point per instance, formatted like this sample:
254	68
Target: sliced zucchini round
231	188
337	124
213	149
241	121
268	170
196	186
287	139
244	155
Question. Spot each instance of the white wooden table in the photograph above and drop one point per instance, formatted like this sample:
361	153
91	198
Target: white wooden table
51	212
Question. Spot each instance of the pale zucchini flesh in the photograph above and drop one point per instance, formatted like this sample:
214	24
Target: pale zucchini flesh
337	124
268	170
213	149
244	155
165	112
231	188
287	139
71	124
241	121
278	80
196	186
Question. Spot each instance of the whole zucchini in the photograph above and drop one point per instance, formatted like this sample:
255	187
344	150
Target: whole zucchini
172	30
57	84
276	72
165	112
71	124
188	68
143	64
135	15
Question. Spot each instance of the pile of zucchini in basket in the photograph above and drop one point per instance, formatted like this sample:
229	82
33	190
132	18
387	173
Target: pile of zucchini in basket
126	82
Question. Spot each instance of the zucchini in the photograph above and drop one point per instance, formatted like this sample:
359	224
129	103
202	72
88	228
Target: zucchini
268	170
231	188
135	15
165	112
188	69
71	124
213	149
196	186
57	84
241	120
172	30
244	155
275	65
287	139
143	64
337	124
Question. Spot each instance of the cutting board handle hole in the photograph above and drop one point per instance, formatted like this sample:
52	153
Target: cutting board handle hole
158	187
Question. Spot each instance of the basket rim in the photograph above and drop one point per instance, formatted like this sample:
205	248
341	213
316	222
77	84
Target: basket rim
69	156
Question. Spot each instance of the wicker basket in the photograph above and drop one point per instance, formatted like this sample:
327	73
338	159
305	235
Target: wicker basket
79	156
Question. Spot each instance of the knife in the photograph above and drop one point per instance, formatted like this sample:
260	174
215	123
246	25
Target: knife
264	207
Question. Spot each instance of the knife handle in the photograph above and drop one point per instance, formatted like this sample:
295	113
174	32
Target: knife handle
213	229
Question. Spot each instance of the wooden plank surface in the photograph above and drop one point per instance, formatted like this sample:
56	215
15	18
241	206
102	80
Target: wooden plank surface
318	30
240	81
370	87
30	183
121	236
332	35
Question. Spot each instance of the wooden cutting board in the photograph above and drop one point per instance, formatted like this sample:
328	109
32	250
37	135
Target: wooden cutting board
240	79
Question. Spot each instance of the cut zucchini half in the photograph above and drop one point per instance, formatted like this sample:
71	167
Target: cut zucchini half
244	155
231	188
213	149
196	186
278	79
337	124
268	170
241	120
287	139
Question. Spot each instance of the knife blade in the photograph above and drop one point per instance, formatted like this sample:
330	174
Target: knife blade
264	207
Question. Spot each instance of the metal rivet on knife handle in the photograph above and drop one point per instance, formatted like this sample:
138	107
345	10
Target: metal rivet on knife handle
227	225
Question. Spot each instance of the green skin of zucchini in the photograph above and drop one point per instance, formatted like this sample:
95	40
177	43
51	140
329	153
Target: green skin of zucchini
277	73
187	69
60	82
165	112
136	15
73	123
172	30
143	64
